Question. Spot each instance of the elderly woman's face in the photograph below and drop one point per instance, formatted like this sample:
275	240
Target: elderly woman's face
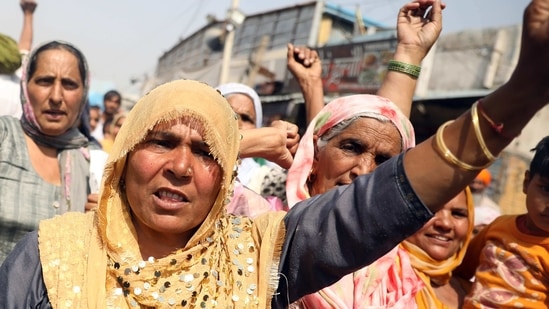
172	181
244	107
357	150
55	91
443	235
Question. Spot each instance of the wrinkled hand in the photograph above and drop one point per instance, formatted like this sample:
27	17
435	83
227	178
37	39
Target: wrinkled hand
419	25
28	6
303	63
276	143
292	135
283	140
92	203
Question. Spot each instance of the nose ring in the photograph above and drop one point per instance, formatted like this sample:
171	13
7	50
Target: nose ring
189	172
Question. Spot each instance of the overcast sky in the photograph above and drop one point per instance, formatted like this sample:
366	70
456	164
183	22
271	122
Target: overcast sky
123	39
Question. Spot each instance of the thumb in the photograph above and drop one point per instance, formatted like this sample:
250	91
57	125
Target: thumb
286	160
290	53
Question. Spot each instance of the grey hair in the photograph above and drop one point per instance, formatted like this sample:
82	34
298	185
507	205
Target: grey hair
338	128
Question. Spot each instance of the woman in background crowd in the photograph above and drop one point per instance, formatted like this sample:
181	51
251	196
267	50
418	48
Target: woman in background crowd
44	159
437	249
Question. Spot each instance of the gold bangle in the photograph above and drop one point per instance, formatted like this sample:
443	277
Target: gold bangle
448	156
399	66
478	133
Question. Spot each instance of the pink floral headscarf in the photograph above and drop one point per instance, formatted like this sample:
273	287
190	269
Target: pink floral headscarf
333	113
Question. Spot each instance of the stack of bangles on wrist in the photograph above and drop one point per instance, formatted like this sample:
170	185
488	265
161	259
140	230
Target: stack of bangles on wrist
410	69
449	157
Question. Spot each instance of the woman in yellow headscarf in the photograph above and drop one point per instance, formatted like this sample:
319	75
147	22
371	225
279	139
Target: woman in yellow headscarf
438	248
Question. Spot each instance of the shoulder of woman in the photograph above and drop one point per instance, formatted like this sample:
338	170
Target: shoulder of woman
67	225
8	124
271	222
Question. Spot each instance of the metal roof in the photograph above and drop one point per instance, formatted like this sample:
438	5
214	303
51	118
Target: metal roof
349	15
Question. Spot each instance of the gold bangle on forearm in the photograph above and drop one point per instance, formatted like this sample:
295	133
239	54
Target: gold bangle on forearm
448	156
478	133
403	67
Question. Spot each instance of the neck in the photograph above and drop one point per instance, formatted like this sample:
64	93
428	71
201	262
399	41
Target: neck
158	245
45	150
526	226
450	294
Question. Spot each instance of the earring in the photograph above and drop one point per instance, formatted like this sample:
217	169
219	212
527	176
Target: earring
312	177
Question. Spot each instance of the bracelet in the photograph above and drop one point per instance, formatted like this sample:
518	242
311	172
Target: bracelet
478	133
448	156
410	69
498	127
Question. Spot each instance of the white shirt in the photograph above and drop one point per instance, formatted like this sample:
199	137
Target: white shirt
10	101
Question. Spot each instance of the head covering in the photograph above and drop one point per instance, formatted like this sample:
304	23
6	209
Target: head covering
182	98
223	263
485	214
232	88
431	270
10	56
72	145
332	114
485	176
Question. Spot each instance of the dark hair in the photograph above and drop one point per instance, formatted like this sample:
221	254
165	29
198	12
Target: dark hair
59	45
540	162
84	127
112	94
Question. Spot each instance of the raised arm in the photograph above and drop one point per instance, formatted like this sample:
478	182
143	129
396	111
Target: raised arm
502	115
417	32
305	66
25	40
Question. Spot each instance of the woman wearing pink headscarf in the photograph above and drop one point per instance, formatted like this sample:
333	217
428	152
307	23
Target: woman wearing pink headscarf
351	136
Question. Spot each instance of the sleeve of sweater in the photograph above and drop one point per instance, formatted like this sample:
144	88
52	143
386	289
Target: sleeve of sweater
335	233
21	282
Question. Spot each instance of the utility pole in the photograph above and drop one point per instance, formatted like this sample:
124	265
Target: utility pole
228	48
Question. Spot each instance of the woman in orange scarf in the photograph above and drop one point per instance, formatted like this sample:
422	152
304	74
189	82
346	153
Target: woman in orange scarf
438	248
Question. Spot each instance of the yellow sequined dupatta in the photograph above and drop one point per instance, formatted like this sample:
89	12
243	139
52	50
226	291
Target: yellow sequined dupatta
230	262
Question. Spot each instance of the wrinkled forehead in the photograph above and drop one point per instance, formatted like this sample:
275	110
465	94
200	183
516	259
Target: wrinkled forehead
343	125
